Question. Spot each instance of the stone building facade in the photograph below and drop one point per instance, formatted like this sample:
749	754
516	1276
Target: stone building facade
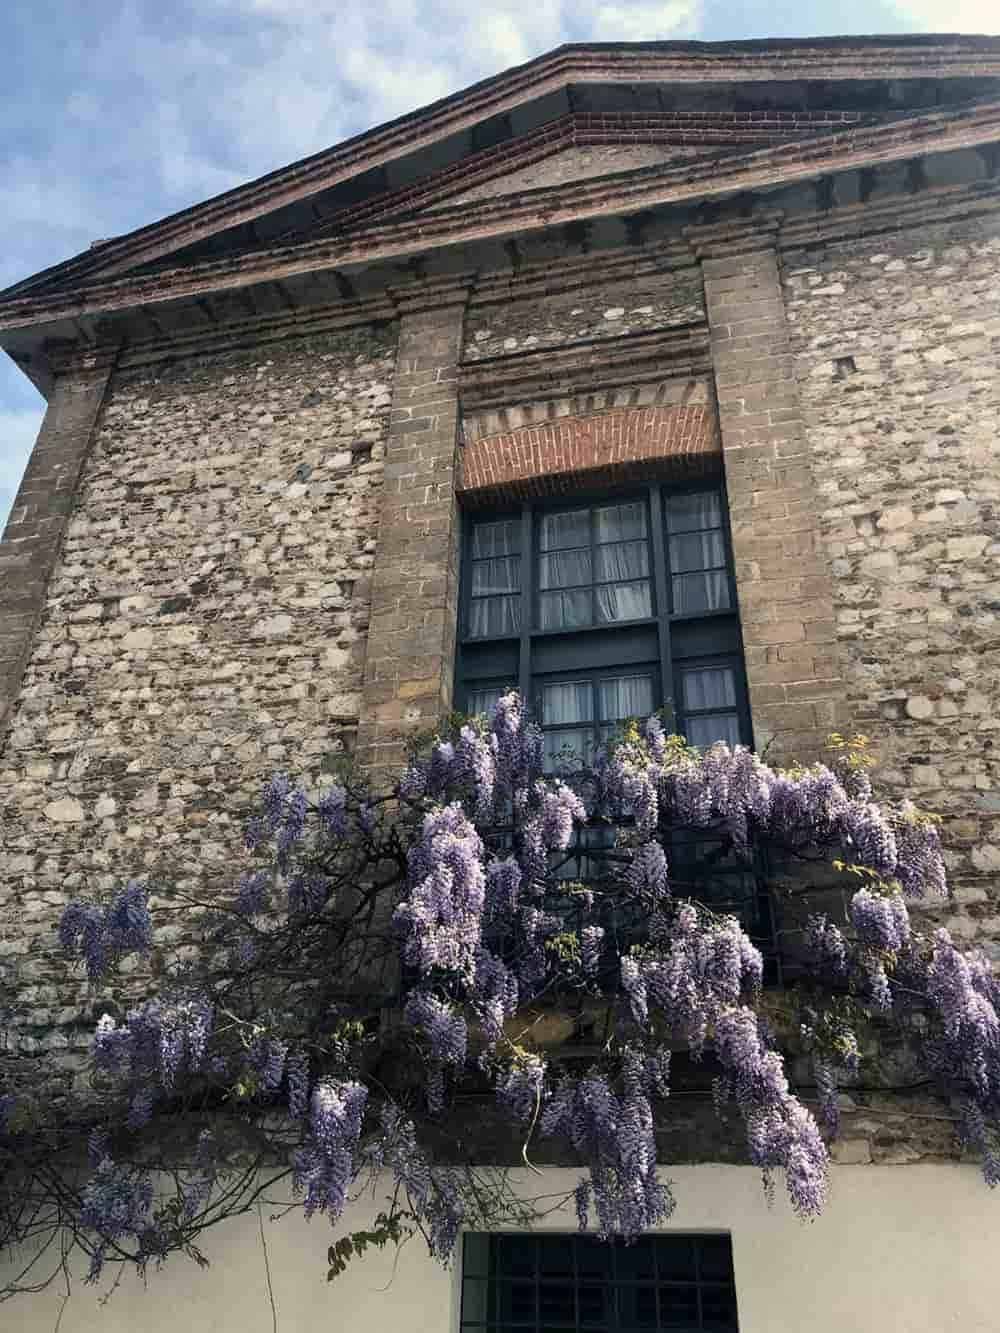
241	541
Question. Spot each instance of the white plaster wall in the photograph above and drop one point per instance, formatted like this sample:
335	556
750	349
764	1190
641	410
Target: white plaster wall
899	1250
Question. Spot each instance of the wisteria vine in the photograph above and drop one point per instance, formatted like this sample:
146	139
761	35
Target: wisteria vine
384	958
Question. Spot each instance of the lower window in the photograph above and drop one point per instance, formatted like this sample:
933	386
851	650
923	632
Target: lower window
578	1284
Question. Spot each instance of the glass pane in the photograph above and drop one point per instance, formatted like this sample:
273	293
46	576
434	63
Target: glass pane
564	610
620	522
718	1306
556	1303
516	1302
569	702
489	616
622	560
476	1254
675	1257
637	1307
555	1259
474	1291
628	696
705	731
709	687
500	575
700	592
624	601
635	1262
566	751
593	1303
679	1307
496	538
558	531
687	513
565	569
485	700
593	1257
715	1258
515	1256
697	550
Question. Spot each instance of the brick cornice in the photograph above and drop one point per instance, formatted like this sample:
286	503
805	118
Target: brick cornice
589	129
726	239
536	209
685	63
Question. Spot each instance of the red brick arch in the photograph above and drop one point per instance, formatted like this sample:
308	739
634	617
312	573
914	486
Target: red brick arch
556	457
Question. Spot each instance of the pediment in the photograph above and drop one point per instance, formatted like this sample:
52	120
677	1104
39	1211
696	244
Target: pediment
660	107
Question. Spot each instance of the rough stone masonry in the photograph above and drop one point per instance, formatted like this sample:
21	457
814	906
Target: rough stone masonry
236	546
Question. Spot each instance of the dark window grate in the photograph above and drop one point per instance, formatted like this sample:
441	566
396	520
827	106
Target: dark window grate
578	1284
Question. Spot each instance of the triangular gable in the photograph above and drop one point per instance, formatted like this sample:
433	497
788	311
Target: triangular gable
586	146
316	192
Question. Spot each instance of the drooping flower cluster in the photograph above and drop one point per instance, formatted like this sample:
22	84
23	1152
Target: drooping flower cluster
614	1133
441	919
690	973
780	1131
103	936
325	1164
521	1087
116	1205
487	922
881	921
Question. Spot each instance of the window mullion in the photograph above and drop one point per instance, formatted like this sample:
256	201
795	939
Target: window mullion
527	603
593	565
660	580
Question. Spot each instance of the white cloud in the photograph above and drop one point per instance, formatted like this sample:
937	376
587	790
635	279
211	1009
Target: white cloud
966	16
18	429
645	22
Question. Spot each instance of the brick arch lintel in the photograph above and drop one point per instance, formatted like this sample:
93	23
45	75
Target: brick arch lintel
605	448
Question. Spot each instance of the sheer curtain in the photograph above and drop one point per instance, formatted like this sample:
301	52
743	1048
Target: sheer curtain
697	553
495	603
705	689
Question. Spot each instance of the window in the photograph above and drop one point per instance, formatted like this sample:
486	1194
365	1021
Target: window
573	1284
603	610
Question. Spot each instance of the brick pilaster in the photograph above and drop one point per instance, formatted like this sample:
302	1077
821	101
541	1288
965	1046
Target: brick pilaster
785	585
34	533
409	663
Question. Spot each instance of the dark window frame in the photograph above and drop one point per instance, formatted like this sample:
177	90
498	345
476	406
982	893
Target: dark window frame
533	1283
664	619
660	645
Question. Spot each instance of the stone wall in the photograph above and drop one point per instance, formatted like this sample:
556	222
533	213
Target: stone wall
656	296
581	162
204	626
897	347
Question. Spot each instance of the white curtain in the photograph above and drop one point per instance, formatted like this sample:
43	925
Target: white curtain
628	696
492	616
705	731
489	539
559	531
564	569
708	591
709	687
564	610
690	513
624	601
569	702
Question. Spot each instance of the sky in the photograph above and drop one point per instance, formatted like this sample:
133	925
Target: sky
118	112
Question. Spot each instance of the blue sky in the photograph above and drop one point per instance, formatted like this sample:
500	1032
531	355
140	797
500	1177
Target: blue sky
119	111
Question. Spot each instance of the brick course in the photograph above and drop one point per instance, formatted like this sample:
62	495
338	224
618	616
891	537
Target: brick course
409	665
33	538
607	448
784	581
